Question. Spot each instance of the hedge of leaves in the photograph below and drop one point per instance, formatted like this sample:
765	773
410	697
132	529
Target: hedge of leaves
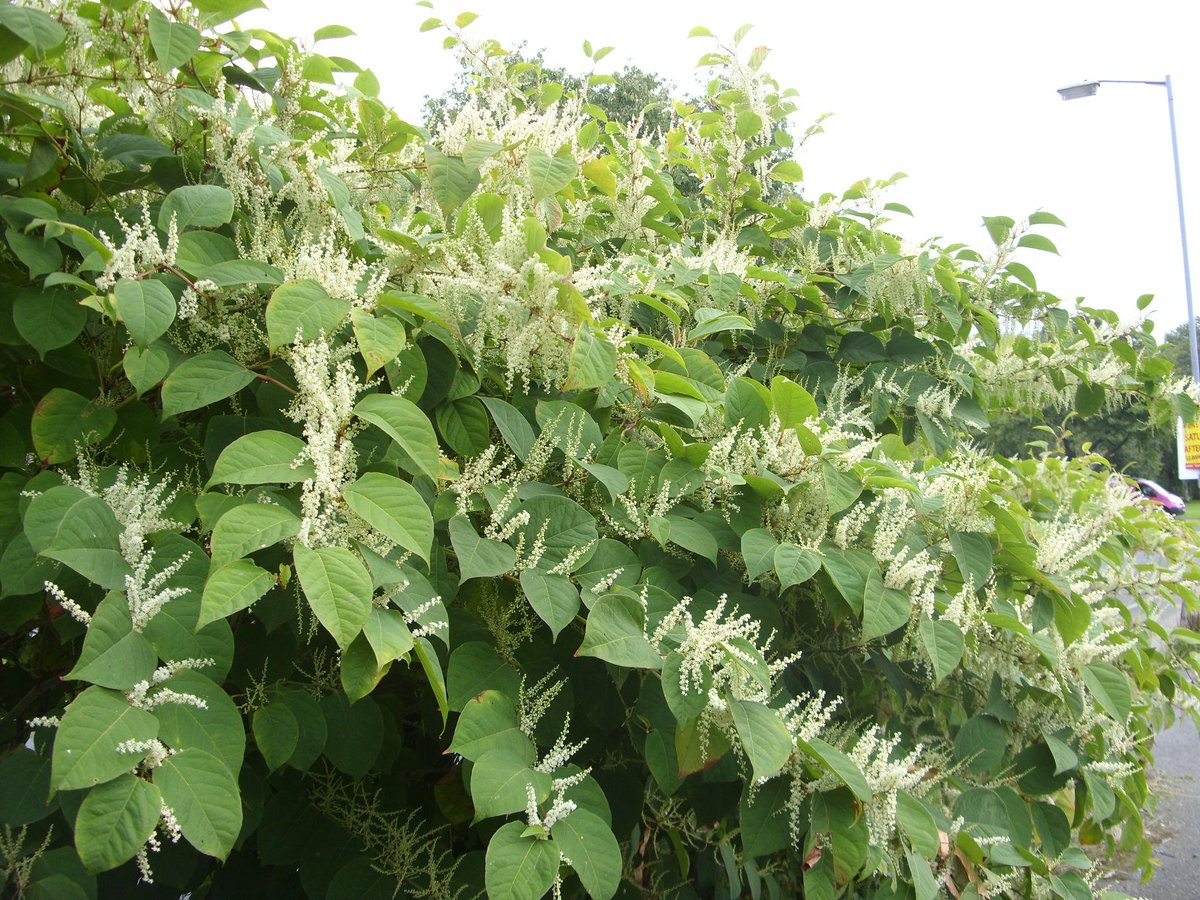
533	502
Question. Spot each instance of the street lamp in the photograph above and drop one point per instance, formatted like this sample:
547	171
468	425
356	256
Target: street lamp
1088	89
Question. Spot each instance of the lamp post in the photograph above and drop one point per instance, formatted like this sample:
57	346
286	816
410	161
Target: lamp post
1088	89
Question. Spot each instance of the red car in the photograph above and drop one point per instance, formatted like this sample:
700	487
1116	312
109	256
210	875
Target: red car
1156	493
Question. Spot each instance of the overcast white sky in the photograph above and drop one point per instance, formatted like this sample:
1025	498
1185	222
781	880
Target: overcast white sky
959	95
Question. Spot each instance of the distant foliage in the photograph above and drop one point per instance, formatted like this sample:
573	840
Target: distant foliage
402	513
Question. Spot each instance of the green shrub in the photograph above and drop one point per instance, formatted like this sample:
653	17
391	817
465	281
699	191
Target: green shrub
393	513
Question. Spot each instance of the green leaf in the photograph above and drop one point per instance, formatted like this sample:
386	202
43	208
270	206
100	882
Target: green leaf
314	731
713	321
943	642
489	721
388	634
759	550
464	425
884	609
380	338
614	634
513	427
793	404
355	733
840	765
698	746
849	571
518	867
795	565
788	171
34	27
200	251
500	780
114	821
1110	688
593	362
251	527
394	509
684	705
196	205
973	553
598	173
1065	759
1037	242
479	557
924	882
234	272
549	174
474	668
85	745
841	488
338	588
146	307
553	598
80	530
204	796
276	732
216	729
564	527
48	319
203	380
588	842
114	655
301	311
174	43
232	587
764	737
764	822
451	179
980	745
749	124
24	787
146	368
63	420
262	457
917	824
404	423
661	761
692	536
432	667
360	669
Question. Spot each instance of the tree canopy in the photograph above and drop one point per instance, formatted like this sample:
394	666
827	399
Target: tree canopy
534	504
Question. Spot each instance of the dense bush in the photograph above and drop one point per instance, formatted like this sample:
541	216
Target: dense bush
392	513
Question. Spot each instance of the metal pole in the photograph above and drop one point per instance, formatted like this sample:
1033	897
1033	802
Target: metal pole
1187	268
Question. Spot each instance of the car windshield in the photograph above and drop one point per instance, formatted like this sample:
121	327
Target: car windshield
1157	488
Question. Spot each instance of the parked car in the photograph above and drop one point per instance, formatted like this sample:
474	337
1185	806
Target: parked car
1156	493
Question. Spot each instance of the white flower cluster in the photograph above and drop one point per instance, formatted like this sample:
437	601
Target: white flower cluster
713	650
77	612
153	752
425	629
510	296
148	593
141	251
873	755
325	261
324	405
139	505
150	694
562	751
533	703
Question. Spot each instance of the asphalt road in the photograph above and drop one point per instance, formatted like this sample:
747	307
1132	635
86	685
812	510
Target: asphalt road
1175	824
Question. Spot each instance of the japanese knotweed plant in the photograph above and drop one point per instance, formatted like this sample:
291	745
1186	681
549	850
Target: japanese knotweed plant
534	503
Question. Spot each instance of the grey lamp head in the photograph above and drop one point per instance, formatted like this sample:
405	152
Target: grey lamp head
1075	91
